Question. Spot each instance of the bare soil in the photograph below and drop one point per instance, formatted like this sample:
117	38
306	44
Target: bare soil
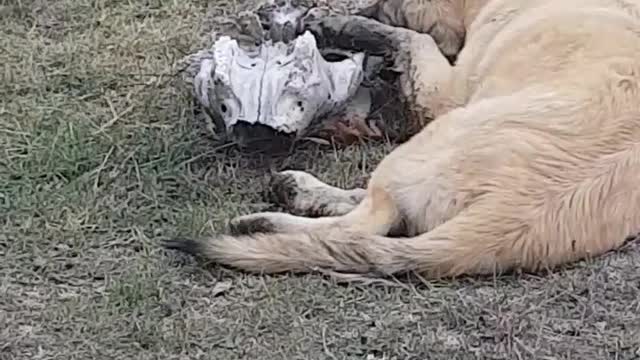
101	159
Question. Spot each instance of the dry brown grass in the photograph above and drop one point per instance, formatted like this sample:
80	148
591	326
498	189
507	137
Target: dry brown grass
101	158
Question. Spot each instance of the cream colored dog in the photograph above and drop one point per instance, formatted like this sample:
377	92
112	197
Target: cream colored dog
532	159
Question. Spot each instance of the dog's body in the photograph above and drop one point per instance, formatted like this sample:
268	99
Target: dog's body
531	160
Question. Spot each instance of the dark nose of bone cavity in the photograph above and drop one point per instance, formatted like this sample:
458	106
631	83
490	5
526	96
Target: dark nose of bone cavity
259	137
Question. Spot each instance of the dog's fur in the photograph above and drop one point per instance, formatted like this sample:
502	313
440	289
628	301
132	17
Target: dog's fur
532	160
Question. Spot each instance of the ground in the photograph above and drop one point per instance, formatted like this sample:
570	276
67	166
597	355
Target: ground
101	159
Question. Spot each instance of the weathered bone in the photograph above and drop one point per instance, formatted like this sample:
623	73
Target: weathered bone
282	86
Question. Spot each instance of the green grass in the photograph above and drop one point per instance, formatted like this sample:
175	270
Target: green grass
102	157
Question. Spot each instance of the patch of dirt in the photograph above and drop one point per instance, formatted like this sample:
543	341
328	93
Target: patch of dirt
101	160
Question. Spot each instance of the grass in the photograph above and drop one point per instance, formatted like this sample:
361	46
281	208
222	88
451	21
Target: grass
101	158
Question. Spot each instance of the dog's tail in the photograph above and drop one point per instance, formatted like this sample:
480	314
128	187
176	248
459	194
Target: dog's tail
483	244
341	251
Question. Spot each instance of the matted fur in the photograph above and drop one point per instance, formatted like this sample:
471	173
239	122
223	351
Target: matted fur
532	160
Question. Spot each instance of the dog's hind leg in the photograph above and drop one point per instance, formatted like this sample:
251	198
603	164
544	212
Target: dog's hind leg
377	213
301	193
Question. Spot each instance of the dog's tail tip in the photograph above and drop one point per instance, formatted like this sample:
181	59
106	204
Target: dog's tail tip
186	245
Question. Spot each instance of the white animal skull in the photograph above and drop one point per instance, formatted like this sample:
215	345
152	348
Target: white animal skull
282	86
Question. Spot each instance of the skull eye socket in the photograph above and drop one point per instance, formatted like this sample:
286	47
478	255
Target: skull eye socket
223	108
